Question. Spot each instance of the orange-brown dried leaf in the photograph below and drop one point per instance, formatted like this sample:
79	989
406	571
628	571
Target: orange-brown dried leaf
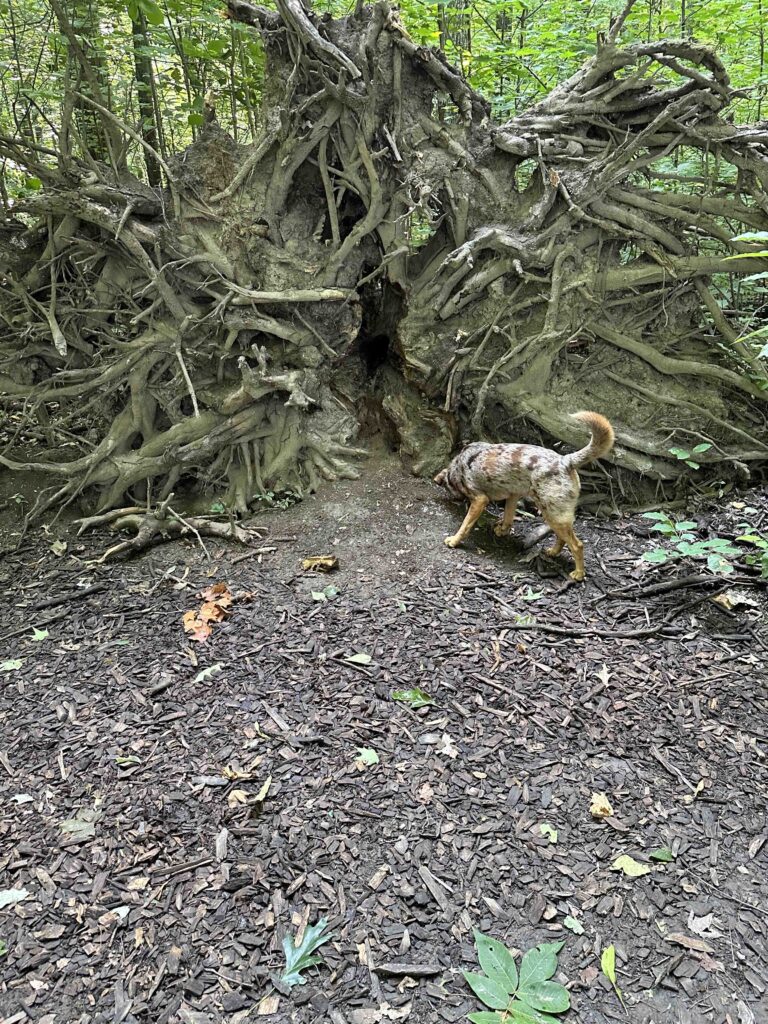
212	611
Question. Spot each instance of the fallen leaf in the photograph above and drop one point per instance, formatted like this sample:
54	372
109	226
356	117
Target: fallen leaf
630	866
325	594
39	634
237	797
547	830
22	798
208	673
600	806
664	854
218	593
10	896
699	945
11	665
236	774
320	563
447	746
573	925
733	599
425	793
416	698
59	548
703	926
359	659
138	884
366	756
262	794
197	629
604	675
608	966
82	826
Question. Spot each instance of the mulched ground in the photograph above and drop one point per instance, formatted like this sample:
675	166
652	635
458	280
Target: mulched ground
167	899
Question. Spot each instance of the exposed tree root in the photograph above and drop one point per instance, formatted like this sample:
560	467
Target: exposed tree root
211	335
162	524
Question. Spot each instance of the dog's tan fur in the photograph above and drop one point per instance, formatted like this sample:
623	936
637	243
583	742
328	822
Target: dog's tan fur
495	472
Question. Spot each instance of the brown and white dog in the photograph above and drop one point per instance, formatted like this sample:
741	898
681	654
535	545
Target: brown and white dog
495	472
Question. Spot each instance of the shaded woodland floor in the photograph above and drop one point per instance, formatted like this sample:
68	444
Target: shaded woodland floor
168	901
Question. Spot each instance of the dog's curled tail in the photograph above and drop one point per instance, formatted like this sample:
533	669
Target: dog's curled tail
600	443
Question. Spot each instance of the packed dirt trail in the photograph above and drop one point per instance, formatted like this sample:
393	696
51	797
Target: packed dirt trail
161	876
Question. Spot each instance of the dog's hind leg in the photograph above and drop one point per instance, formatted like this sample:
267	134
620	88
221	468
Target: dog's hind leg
477	506
566	536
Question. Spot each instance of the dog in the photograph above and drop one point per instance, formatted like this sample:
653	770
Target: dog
495	472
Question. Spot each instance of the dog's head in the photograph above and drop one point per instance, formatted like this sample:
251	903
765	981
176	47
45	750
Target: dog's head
443	479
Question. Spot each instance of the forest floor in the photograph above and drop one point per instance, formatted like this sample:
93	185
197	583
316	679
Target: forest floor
158	887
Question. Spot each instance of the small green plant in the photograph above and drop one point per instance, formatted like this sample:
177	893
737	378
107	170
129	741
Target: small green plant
527	996
280	500
715	550
687	456
416	698
299	958
759	541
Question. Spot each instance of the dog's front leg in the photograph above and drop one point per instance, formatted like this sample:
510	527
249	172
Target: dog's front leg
504	527
476	509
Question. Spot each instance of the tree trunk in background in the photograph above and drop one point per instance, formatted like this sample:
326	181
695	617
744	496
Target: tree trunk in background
236	334
145	96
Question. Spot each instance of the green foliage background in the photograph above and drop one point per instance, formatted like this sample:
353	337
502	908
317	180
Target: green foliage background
513	51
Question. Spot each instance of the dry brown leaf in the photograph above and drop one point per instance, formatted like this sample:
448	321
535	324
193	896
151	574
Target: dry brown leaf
236	774
219	593
237	797
688	942
600	806
426	793
138	883
320	563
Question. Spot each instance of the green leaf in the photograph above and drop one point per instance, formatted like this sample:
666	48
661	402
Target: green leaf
11	665
539	964
573	925
686	524
546	996
33	184
208	673
701	448
318	595
194	120
299	958
497	962
630	867
718	564
659	516
608	964
523	1013
693	465
153	13
416	698
487	991
3	947
487	1017
39	634
663	854
366	756
549	831
217	507
679	453
657	555
359	659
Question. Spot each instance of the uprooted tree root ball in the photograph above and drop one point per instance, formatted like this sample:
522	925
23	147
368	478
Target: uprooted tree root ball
383	241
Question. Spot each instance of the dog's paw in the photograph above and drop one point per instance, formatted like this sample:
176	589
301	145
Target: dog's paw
551	552
576	576
452	542
501	530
